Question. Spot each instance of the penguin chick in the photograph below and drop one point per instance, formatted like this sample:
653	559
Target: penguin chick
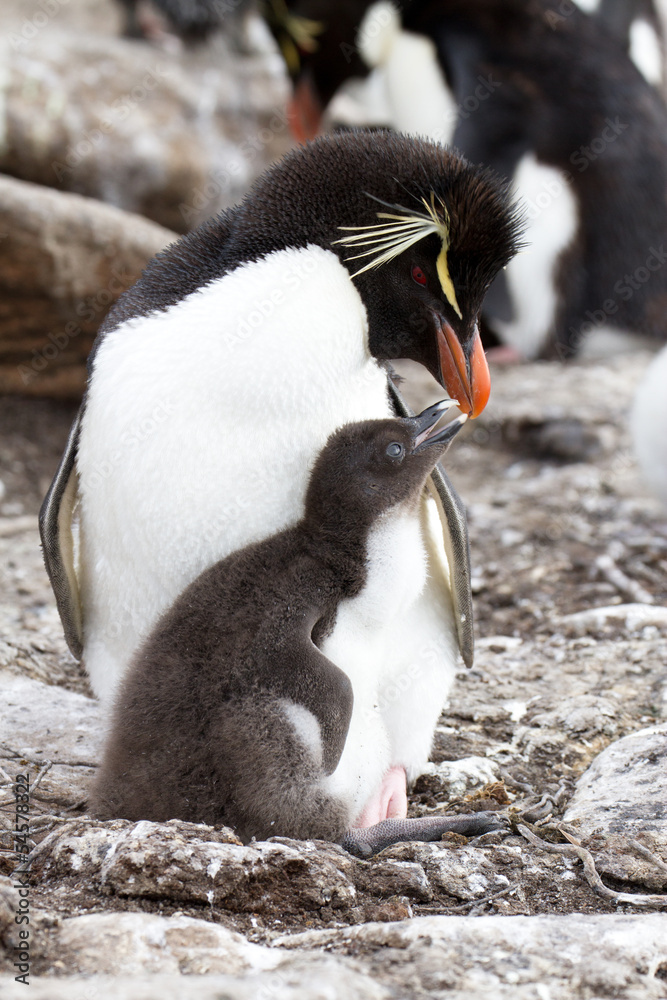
230	713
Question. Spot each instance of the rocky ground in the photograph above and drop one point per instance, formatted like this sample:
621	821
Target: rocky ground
561	724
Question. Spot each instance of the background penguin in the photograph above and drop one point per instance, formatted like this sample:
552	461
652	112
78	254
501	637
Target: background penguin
191	20
230	713
548	97
173	466
640	27
648	426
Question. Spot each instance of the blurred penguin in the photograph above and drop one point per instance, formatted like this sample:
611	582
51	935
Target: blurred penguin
193	21
640	27
648	425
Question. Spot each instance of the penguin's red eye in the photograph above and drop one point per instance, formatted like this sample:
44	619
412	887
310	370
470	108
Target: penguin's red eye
418	275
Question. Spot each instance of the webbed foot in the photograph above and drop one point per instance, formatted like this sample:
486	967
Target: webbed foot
364	842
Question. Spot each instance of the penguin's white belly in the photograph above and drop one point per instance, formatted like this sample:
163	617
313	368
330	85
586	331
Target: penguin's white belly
648	424
201	426
378	639
552	221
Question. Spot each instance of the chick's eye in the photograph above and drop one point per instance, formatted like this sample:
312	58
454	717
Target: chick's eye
418	275
395	450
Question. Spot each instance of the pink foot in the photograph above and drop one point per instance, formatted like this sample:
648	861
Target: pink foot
505	355
389	802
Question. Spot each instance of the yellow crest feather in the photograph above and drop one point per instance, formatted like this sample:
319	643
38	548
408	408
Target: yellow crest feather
296	34
398	233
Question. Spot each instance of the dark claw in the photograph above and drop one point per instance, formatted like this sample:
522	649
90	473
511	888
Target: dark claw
364	843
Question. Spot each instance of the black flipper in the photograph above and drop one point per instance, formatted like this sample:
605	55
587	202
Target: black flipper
364	843
55	529
457	546
305	676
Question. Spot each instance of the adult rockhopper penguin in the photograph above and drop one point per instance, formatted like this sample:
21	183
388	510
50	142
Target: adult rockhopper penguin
232	712
353	250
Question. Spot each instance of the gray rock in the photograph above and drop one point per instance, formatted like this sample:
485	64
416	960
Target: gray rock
574	957
467	873
174	136
621	802
64	260
519	958
44	723
135	943
307	977
630	618
456	777
583	715
396	877
199	864
288	880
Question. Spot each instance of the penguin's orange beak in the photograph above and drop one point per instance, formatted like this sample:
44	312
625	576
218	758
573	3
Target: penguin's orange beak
305	110
472	391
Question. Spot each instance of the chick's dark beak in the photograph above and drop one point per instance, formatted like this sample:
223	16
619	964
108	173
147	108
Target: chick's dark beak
470	384
425	430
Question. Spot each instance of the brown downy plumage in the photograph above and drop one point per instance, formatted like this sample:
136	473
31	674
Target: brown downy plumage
200	728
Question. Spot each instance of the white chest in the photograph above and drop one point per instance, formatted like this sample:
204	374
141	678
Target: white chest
552	220
369	642
366	625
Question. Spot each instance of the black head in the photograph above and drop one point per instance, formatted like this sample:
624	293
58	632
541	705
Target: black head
367	468
317	39
452	228
422	232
